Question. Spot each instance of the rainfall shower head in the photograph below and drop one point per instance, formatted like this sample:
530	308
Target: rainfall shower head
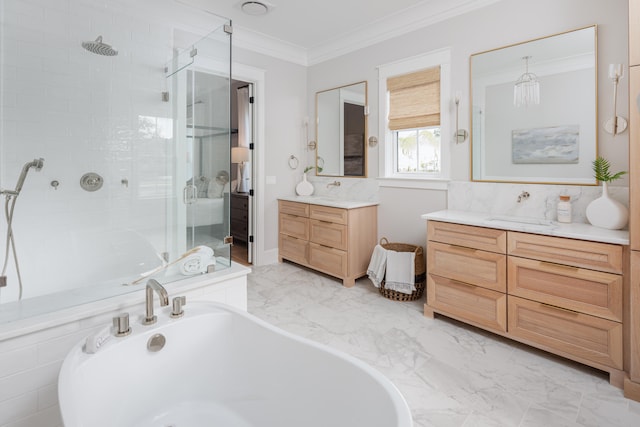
99	48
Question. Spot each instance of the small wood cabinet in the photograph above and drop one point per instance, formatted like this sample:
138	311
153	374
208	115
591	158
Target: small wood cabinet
334	241
240	216
561	295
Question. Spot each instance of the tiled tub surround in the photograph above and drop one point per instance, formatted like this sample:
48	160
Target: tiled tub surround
502	198
32	350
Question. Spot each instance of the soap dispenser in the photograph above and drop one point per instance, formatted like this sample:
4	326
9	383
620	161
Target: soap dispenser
564	209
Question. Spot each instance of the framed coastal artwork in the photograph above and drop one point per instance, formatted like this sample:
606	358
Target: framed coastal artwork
546	145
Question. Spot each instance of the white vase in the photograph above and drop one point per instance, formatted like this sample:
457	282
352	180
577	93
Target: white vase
304	188
605	212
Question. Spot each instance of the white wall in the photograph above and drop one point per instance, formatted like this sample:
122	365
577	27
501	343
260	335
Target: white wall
285	93
500	24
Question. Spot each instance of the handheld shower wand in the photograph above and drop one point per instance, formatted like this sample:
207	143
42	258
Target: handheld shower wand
10	203
36	163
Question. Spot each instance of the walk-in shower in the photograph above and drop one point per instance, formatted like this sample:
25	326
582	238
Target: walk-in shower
125	120
11	196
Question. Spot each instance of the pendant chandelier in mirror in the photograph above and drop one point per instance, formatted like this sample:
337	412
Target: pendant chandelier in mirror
527	88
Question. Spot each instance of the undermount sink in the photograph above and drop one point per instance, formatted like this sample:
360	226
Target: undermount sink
521	220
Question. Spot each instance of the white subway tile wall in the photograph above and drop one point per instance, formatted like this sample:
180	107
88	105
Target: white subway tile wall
30	364
82	113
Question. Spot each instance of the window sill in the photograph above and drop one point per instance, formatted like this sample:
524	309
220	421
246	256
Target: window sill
419	183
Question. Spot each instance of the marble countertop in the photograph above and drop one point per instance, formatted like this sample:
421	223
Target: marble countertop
532	225
329	201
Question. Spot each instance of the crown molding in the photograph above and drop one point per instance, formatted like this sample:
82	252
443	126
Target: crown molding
403	22
267	45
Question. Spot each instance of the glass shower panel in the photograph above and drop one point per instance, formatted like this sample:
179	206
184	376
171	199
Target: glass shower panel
202	104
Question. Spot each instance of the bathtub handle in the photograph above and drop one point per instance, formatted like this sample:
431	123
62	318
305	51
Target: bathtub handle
178	303
121	325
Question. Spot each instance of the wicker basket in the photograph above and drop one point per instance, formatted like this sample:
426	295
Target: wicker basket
420	272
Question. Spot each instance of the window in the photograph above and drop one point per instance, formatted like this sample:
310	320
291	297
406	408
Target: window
414	119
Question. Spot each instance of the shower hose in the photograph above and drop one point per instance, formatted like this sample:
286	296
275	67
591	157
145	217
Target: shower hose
9	205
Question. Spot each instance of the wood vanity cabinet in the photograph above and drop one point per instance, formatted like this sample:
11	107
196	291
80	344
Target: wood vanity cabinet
561	295
466	274
632	382
334	241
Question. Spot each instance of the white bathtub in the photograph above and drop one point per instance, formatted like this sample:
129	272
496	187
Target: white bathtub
223	367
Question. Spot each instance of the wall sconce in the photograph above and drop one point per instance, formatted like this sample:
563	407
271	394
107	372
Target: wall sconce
240	155
461	135
616	124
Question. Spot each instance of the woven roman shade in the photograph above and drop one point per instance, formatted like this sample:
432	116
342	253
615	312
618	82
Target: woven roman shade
414	99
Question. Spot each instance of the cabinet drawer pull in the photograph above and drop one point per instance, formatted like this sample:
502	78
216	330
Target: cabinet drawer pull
463	248
551	265
457	282
555	307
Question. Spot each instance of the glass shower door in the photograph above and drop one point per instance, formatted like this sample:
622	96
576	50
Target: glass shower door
201	97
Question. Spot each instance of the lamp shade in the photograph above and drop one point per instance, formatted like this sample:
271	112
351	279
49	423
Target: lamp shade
239	154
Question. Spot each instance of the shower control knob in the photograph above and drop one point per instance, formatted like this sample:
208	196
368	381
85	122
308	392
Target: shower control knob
91	181
55	184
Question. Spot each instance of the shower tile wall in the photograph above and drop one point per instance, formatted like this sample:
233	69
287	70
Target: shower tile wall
82	113
30	363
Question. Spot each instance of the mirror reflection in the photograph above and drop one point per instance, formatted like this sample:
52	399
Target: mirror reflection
533	115
341	131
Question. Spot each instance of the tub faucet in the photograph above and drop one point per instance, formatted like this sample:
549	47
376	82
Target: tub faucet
153	285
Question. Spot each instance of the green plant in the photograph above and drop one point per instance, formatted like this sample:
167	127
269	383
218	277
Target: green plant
601	170
308	168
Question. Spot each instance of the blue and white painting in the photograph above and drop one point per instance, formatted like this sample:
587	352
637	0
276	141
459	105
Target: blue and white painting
550	145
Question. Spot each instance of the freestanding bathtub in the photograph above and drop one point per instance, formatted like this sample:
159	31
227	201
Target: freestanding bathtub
223	367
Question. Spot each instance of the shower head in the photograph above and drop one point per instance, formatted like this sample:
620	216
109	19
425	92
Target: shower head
36	163
99	48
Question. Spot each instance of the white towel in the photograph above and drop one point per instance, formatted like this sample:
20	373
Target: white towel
377	265
197	262
401	271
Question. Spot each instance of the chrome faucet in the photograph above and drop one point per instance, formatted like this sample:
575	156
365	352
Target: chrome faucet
153	285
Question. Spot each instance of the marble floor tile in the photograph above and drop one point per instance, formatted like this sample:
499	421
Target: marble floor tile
451	374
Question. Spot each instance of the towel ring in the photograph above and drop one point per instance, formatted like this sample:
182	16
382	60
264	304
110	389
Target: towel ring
293	162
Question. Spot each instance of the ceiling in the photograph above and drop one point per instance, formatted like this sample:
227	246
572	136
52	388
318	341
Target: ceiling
318	30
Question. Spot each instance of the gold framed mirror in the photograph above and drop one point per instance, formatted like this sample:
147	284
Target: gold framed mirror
534	110
341	131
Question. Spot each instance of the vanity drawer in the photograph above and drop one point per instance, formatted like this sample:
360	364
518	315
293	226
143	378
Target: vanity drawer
293	249
486	239
566	332
328	234
294	226
481	268
329	214
328	260
473	304
587	291
576	253
293	208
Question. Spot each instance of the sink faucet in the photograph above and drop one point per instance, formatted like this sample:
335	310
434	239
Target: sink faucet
153	285
336	183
